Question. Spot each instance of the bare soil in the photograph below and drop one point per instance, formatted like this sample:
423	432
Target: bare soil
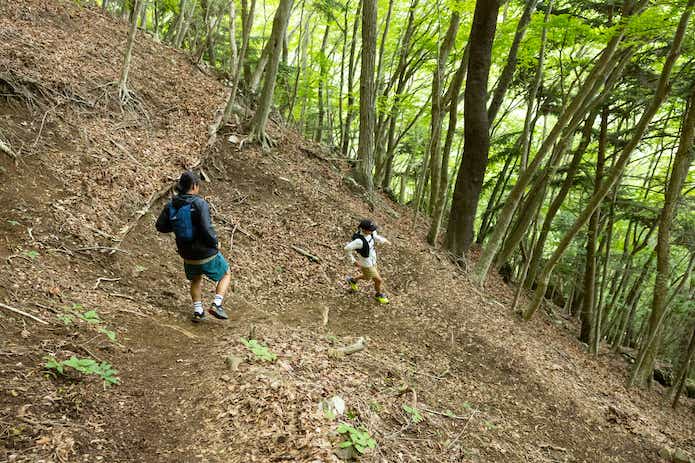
488	386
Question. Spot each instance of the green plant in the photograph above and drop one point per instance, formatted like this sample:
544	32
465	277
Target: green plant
31	254
109	334
66	319
14	223
91	317
357	438
259	350
87	366
414	413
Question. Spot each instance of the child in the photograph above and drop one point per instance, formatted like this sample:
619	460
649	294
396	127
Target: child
188	216
363	242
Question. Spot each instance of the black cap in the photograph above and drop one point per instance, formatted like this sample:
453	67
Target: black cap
367	224
187	181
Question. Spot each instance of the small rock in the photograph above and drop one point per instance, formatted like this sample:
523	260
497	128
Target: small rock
233	362
679	456
347	453
225	378
665	453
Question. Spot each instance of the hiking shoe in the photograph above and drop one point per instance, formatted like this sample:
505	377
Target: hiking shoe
198	317
353	284
381	298
218	312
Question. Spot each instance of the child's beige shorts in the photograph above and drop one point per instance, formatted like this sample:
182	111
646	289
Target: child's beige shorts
370	272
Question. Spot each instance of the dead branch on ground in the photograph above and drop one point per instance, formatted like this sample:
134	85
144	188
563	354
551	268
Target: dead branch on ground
341	352
20	312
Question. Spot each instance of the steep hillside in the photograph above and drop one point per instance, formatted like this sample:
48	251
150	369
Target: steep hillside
77	235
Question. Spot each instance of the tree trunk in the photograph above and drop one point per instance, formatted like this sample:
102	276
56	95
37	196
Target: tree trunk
469	180
587	313
681	163
233	51
508	72
260	119
346	136
682	374
443	183
323	66
123	92
617	169
434	151
365	156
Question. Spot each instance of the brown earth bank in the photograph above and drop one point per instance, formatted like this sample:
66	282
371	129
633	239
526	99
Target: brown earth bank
484	385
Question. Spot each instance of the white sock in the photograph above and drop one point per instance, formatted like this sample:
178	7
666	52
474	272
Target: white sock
198	307
218	299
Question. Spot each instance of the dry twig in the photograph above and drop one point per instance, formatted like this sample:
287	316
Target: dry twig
20	312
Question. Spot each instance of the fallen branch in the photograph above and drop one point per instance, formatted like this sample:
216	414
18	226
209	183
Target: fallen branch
236	227
144	210
5	148
306	254
463	430
341	352
28	315
122	296
100	248
100	279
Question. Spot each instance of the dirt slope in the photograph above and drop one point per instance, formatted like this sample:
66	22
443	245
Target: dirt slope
488	387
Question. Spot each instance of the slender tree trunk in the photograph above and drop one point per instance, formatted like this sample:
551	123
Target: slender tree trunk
469	180
323	66
617	169
587	313
682	375
437	111
508	72
282	15
684	157
365	156
345	143
123	92
233	51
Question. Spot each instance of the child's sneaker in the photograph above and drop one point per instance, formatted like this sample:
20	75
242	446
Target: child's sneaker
198	317
218	312
381	298
353	284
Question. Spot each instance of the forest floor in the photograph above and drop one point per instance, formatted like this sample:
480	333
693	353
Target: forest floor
488	387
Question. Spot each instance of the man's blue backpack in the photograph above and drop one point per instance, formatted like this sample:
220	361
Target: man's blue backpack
181	221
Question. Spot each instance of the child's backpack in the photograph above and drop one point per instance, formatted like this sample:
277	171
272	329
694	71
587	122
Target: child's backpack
364	250
181	221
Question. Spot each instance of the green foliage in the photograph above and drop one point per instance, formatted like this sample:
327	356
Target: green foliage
14	223
86	366
31	254
414	413
357	438
110	334
259	350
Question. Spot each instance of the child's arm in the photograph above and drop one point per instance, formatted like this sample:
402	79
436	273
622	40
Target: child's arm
350	248
380	239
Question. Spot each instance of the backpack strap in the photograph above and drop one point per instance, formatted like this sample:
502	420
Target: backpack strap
364	250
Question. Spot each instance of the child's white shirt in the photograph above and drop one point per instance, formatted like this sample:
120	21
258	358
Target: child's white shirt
356	244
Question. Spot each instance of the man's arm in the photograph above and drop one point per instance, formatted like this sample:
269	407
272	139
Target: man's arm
207	231
163	224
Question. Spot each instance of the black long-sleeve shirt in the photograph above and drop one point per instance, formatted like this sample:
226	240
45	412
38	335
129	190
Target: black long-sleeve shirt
204	243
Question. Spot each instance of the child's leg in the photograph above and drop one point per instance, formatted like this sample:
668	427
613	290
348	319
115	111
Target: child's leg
223	284
377	283
197	288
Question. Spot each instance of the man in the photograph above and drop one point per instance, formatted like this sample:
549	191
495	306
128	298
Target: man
188	216
363	244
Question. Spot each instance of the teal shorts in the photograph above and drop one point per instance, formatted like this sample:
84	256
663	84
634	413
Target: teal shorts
214	269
